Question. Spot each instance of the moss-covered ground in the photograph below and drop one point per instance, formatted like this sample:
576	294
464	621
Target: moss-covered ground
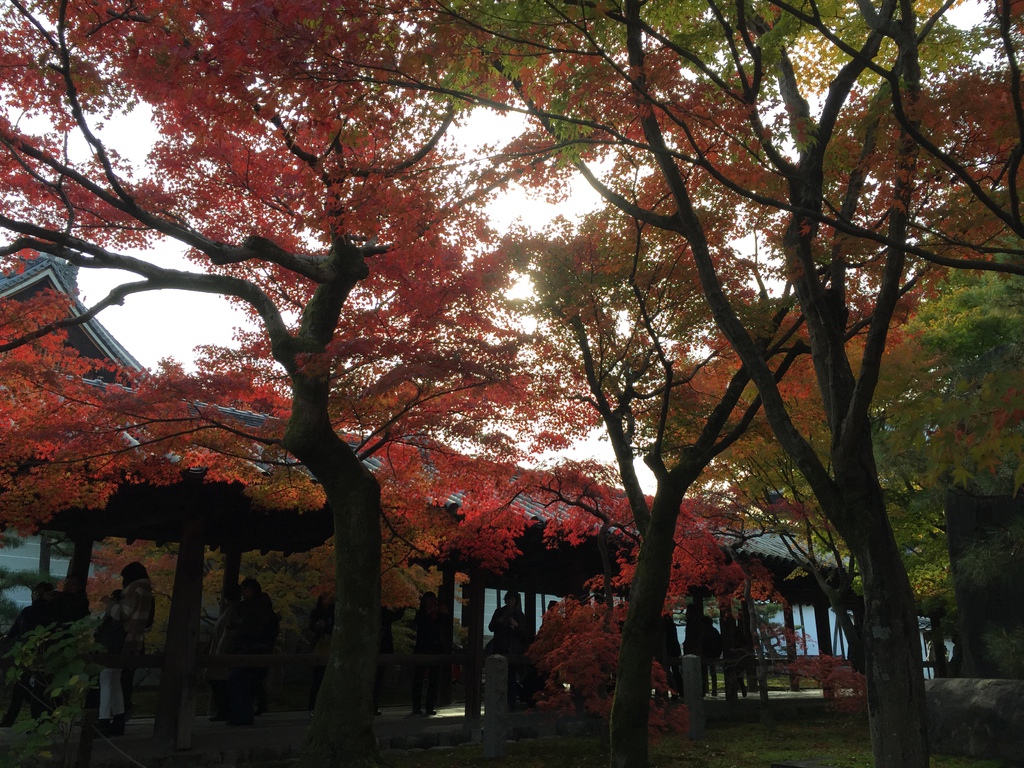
833	741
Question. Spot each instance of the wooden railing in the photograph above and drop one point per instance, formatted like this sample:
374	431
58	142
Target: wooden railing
156	660
203	660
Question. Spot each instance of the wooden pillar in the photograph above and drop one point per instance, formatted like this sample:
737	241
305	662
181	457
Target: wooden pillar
232	567
787	615
81	559
475	642
748	639
78	566
822	626
176	704
530	611
45	550
693	640
446	598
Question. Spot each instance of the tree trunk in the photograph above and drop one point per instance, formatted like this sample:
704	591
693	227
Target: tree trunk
838	598
892	657
630	706
341	731
853	626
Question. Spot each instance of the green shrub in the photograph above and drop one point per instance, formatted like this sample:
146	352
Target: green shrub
57	658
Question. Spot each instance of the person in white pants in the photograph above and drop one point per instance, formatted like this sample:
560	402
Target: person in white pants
131	609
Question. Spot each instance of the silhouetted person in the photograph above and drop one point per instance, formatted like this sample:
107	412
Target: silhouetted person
428	641
732	655
711	652
508	623
704	641
673	654
257	633
271	629
72	601
321	626
41	612
388	616
223	643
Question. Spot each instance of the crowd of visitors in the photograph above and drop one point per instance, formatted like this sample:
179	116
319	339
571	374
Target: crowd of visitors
247	624
128	614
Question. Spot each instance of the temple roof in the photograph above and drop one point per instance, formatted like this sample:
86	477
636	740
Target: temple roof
90	339
140	511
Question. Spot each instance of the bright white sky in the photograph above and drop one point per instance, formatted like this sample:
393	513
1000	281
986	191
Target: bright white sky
162	324
171	324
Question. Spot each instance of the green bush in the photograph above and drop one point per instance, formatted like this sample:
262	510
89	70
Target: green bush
57	658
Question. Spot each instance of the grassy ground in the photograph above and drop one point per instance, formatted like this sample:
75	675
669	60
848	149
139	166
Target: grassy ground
838	742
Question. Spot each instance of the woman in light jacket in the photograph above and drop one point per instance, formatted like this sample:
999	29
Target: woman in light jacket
132	608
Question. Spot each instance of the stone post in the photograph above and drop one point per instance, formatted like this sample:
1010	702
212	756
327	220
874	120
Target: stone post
693	695
495	706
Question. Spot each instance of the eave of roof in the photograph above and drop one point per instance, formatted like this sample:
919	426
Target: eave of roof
63	276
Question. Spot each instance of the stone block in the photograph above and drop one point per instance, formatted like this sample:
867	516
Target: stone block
400	742
978	718
429	739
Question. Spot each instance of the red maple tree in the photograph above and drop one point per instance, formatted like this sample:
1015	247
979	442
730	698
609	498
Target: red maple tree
837	154
328	204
